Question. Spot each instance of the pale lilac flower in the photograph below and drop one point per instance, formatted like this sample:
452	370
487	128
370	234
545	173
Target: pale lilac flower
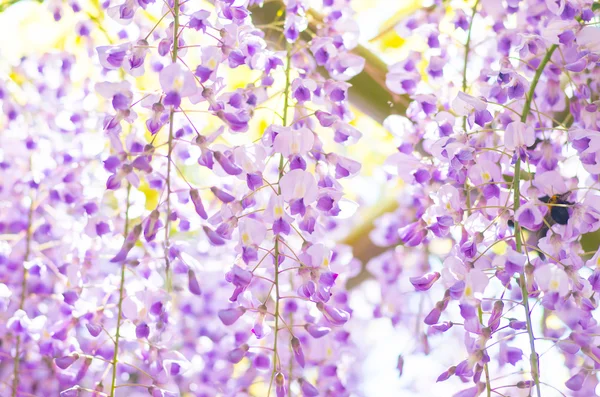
588	38
552	278
290	141
299	188
475	109
177	83
518	136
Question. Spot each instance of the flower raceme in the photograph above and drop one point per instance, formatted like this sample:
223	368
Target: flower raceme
490	167
189	188
208	264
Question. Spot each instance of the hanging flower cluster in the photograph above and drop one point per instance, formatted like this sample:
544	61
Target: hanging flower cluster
171	206
501	194
48	219
206	265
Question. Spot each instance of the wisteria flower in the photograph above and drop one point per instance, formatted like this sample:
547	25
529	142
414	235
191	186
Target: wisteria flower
177	83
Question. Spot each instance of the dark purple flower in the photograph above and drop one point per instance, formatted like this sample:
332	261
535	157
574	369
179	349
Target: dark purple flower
254	180
142	331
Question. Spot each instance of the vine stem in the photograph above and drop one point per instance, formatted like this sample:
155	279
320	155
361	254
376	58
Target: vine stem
23	296
115	359
276	249
488	385
518	240
466	62
464	88
170	148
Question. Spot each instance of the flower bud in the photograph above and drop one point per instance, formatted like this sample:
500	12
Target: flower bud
226	164
446	374
262	362
142	331
297	349
236	355
193	285
316	331
230	316
425	282
94	329
433	317
260	328
308	390
400	365
280	389
525	384
333	315
494	320
575	382
442	327
222	195
195	197
66	361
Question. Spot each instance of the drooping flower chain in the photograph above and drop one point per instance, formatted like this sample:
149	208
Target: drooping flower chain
503	167
182	201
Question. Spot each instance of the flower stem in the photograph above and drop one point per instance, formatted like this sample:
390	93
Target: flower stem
516	203
120	306
291	327
468	47
487	380
170	149
276	249
23	296
488	385
466	62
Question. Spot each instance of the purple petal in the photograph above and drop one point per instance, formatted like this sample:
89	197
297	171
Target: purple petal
193	285
230	316
66	361
425	282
